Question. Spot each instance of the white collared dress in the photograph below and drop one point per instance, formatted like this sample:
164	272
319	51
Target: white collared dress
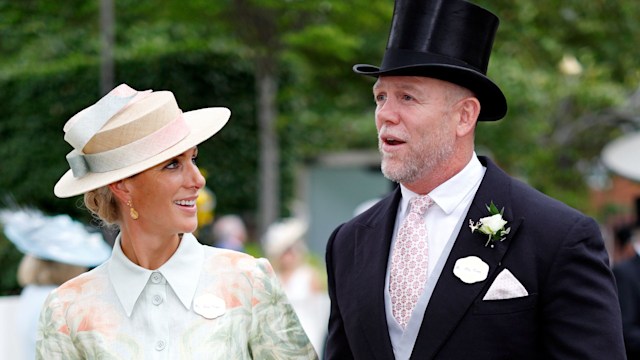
203	303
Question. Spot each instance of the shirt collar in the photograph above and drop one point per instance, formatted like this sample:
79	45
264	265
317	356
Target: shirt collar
182	272
452	192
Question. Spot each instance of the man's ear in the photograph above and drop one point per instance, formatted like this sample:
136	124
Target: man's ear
468	110
120	190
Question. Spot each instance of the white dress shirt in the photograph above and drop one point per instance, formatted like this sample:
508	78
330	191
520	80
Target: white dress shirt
444	219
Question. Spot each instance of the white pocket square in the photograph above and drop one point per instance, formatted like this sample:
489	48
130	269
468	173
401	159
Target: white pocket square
505	286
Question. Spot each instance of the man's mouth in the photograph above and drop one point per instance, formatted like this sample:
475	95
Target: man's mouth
392	141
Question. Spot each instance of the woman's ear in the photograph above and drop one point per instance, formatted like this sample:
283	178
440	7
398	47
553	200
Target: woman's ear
120	190
468	111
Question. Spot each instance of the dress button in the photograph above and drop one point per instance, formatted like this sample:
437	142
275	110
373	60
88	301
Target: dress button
156	278
160	345
157	300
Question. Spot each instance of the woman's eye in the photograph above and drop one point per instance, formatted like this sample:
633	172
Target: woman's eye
194	159
172	164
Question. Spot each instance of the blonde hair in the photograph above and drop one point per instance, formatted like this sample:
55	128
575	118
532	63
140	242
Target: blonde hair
103	205
35	271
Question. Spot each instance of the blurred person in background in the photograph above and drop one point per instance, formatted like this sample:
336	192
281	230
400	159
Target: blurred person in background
627	273
56	249
285	246
623	247
229	232
162	294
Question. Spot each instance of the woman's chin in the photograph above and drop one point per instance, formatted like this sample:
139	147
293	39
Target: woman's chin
189	228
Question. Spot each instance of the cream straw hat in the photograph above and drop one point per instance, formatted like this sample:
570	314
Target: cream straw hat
127	132
281	236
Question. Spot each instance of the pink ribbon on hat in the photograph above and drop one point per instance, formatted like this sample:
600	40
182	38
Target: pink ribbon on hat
138	150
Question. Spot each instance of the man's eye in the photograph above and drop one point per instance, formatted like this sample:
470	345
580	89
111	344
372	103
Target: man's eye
407	97
380	97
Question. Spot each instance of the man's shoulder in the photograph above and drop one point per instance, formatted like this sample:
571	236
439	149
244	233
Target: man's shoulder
544	216
531	200
84	288
527	200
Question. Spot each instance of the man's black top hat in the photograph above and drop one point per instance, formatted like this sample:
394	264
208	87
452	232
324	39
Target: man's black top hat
449	40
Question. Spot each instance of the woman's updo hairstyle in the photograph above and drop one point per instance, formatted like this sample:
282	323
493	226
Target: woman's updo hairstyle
103	205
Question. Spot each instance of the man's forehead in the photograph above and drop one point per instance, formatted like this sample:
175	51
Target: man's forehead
408	82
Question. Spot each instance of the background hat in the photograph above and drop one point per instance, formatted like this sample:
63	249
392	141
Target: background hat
280	236
57	238
621	156
127	132
450	40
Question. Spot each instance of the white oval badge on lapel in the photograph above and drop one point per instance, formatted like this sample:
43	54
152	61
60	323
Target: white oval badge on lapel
209	306
471	269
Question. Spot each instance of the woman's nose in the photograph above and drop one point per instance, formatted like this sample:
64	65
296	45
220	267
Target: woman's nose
197	179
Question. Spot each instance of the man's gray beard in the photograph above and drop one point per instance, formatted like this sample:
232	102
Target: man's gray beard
406	174
416	166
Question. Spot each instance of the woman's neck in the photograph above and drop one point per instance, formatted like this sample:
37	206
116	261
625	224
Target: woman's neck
147	250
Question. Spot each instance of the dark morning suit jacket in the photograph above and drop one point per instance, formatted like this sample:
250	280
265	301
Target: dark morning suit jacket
627	276
557	253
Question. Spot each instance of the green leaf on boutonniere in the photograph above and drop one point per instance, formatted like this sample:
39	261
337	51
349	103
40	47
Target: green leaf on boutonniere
493	209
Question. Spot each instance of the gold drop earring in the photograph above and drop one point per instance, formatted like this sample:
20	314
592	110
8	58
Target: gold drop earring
132	212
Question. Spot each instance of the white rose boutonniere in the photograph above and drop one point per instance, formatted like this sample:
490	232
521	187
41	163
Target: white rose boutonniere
492	226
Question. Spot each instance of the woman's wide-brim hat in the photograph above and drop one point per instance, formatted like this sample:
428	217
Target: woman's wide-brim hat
56	238
449	40
129	131
621	156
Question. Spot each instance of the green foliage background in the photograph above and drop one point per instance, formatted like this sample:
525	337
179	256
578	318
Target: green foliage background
32	131
555	128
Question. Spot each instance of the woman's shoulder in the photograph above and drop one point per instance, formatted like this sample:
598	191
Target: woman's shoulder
226	260
227	254
88	284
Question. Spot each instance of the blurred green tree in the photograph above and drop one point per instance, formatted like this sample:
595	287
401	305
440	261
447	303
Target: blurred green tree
567	68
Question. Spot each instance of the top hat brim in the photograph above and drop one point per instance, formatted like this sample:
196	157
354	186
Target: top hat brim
493	104
203	124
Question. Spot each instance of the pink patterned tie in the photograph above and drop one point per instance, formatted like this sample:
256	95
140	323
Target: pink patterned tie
409	261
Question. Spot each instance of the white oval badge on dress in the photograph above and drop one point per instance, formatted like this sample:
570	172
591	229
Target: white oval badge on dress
471	269
209	306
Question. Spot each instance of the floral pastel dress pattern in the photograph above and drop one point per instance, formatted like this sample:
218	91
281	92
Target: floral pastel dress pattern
83	318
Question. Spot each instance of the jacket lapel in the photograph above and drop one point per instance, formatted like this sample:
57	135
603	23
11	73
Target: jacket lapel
373	239
451	297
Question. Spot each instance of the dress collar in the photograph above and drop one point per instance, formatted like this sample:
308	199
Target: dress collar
182	272
452	192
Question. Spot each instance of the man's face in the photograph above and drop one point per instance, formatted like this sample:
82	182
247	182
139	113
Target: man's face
416	135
